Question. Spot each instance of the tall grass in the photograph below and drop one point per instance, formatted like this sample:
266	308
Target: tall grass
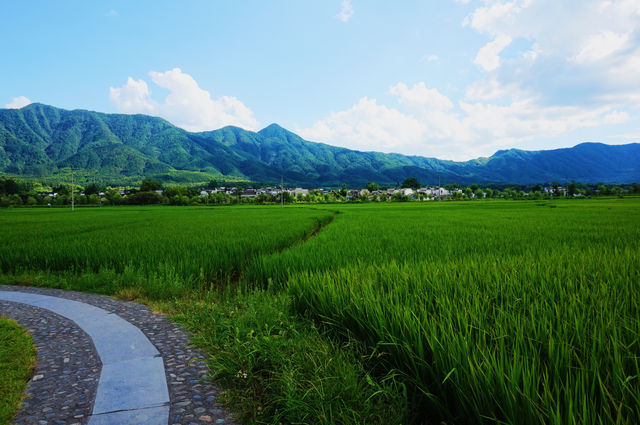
513	313
487	312
170	251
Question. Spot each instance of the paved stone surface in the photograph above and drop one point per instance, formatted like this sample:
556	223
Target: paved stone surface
132	376
65	380
154	415
193	400
133	384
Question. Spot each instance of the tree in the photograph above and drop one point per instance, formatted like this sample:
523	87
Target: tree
145	198
411	182
179	200
172	191
238	192
9	187
62	190
399	196
94	199
372	187
343	191
150	185
113	197
603	190
468	192
92	189
15	199
287	197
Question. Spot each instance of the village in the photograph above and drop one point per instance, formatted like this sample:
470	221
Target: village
17	193
226	195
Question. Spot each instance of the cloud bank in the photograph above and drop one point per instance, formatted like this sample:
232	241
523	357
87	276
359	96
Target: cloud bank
188	106
18	102
547	69
428	123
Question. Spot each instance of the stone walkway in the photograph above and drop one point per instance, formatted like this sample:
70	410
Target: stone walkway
102	361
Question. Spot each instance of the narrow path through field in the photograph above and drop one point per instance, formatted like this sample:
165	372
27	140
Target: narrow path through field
103	361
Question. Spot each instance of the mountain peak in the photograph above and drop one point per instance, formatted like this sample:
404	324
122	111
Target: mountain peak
274	130
273	126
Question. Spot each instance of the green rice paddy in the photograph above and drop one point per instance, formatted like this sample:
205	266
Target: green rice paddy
483	312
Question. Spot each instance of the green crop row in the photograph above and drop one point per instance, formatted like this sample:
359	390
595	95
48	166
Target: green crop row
180	249
519	313
513	313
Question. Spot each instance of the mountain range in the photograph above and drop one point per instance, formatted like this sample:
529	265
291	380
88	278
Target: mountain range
44	141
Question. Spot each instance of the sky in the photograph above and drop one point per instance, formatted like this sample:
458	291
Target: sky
451	79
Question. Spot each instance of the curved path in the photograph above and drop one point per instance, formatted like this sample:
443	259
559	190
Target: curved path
96	367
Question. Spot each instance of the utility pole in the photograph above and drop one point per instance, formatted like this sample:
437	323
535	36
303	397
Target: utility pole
72	190
439	189
282	191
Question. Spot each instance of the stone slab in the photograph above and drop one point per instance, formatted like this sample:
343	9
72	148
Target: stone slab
133	384
70	309
115	339
152	416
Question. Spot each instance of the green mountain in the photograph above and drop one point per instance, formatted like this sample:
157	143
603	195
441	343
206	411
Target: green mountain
40	141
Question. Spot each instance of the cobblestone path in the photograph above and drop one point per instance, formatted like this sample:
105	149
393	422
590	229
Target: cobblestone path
105	362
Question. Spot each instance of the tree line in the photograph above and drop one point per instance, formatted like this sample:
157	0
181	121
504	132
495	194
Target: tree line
15	192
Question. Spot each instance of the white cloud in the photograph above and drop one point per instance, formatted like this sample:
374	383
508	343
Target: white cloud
616	117
428	123
601	45
420	96
496	17
187	105
366	126
430	58
492	89
346	11
18	102
488	57
570	66
112	13
133	97
592	35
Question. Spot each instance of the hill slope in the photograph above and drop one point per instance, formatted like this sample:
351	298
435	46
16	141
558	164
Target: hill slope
41	140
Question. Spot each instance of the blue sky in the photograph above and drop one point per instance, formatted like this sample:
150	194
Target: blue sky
452	79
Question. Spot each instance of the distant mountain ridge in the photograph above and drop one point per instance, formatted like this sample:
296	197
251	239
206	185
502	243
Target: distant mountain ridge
41	140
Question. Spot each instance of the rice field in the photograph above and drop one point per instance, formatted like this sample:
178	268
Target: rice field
486	312
169	250
517	313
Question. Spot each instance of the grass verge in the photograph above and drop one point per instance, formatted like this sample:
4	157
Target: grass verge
17	359
277	368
